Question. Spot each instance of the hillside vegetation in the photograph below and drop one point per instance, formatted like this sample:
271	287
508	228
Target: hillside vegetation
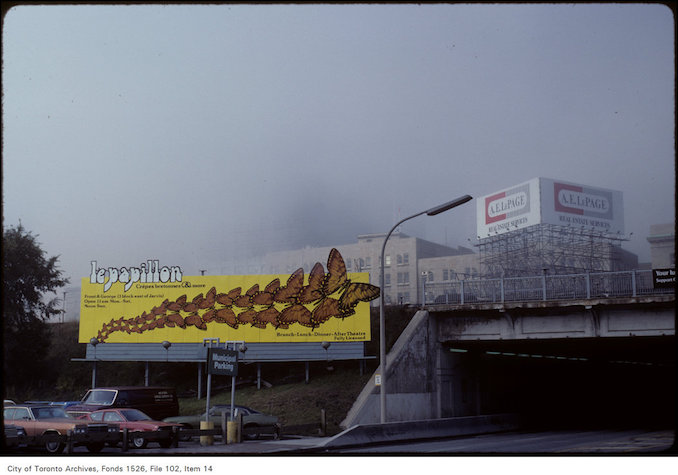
333	385
297	402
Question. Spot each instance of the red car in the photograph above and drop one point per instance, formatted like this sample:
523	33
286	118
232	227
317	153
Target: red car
141	427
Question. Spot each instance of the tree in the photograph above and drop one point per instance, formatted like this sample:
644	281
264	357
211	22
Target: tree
27	276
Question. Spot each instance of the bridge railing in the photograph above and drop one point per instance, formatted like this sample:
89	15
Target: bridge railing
544	287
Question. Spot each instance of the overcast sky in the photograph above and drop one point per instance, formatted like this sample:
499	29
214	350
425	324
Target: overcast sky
195	133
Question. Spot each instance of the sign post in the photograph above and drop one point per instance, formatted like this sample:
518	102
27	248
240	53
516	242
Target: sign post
225	363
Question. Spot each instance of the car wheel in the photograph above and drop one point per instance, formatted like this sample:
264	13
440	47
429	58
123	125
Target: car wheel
54	446
95	448
251	435
183	436
138	441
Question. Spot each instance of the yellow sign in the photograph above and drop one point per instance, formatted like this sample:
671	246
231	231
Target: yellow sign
330	306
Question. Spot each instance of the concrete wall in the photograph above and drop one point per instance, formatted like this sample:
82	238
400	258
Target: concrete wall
652	316
410	379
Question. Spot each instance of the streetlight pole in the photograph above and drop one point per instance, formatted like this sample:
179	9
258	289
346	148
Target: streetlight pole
382	329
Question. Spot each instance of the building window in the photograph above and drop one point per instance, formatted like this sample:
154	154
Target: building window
430	276
446	274
406	259
387	279
387	260
400	259
403	278
368	262
403	298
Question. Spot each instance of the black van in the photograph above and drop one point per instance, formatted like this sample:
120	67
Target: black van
157	402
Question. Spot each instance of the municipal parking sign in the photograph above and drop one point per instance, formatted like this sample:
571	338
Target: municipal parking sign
222	362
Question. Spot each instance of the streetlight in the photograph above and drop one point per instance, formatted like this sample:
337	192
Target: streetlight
166	345
382	329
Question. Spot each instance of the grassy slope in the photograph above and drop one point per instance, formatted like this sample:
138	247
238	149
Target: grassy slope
295	403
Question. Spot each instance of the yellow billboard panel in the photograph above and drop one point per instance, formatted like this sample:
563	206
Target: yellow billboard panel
131	306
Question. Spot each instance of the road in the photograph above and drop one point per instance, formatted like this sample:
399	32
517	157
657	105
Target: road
573	442
553	442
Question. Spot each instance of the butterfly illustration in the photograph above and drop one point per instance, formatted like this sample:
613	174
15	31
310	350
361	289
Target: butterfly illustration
313	291
228	298
336	277
265	297
326	309
296	313
269	315
289	293
355	293
245	301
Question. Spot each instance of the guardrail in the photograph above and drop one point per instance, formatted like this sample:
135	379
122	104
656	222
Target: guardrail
543	287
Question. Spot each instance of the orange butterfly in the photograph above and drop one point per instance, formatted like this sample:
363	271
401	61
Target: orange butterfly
289	293
356	292
265	297
194	319
245	301
336	273
227	316
227	299
326	309
313	291
296	313
270	315
176	319
248	316
209	300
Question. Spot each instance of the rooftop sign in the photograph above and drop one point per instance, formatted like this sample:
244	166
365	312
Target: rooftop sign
547	201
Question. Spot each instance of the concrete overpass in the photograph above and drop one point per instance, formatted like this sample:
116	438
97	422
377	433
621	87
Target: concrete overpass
562	362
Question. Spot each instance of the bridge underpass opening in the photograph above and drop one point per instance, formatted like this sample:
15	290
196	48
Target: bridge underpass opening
568	383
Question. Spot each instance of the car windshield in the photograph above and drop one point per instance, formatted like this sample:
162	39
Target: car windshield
134	415
99	396
49	412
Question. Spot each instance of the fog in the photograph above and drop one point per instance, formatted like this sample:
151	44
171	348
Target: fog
198	133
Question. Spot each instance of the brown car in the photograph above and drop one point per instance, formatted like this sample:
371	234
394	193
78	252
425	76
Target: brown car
141	427
50	426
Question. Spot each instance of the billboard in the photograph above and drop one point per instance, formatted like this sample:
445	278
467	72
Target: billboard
509	209
150	304
547	201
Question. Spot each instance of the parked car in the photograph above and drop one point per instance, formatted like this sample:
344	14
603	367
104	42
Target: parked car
47	426
7	402
14	436
255	423
63	404
141	427
157	402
